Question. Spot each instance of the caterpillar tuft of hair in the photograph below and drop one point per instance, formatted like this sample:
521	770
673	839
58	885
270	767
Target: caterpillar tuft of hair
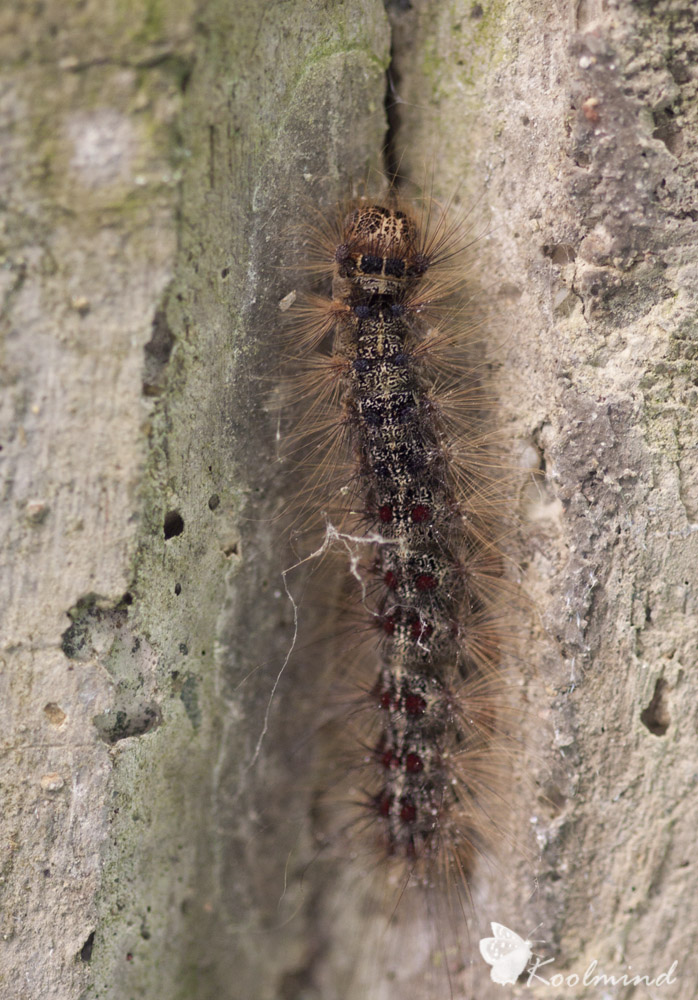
409	482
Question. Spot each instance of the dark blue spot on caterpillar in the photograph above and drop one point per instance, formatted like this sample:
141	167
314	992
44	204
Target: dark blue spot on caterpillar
370	264
394	267
399	360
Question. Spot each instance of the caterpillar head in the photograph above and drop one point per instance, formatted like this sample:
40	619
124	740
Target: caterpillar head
380	252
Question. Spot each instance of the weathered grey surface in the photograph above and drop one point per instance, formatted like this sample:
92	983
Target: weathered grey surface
151	159
149	156
90	188
578	132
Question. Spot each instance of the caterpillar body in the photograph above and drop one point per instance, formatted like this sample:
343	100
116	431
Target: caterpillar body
420	509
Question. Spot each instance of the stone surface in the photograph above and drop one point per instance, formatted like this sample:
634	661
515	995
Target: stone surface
577	137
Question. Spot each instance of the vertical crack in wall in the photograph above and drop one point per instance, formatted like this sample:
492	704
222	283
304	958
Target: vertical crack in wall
391	159
401	25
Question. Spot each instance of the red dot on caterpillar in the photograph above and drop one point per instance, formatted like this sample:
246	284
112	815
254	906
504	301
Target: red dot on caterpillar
420	629
384	696
415	704
408	810
420	514
389	624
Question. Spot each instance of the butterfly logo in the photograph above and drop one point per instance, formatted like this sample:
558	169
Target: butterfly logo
506	952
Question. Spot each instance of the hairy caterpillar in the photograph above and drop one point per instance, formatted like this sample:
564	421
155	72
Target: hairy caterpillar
412	492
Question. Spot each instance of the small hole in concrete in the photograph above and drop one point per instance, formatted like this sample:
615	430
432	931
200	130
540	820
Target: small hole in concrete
656	716
562	253
178	588
668	131
54	713
174	524
213	501
86	950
